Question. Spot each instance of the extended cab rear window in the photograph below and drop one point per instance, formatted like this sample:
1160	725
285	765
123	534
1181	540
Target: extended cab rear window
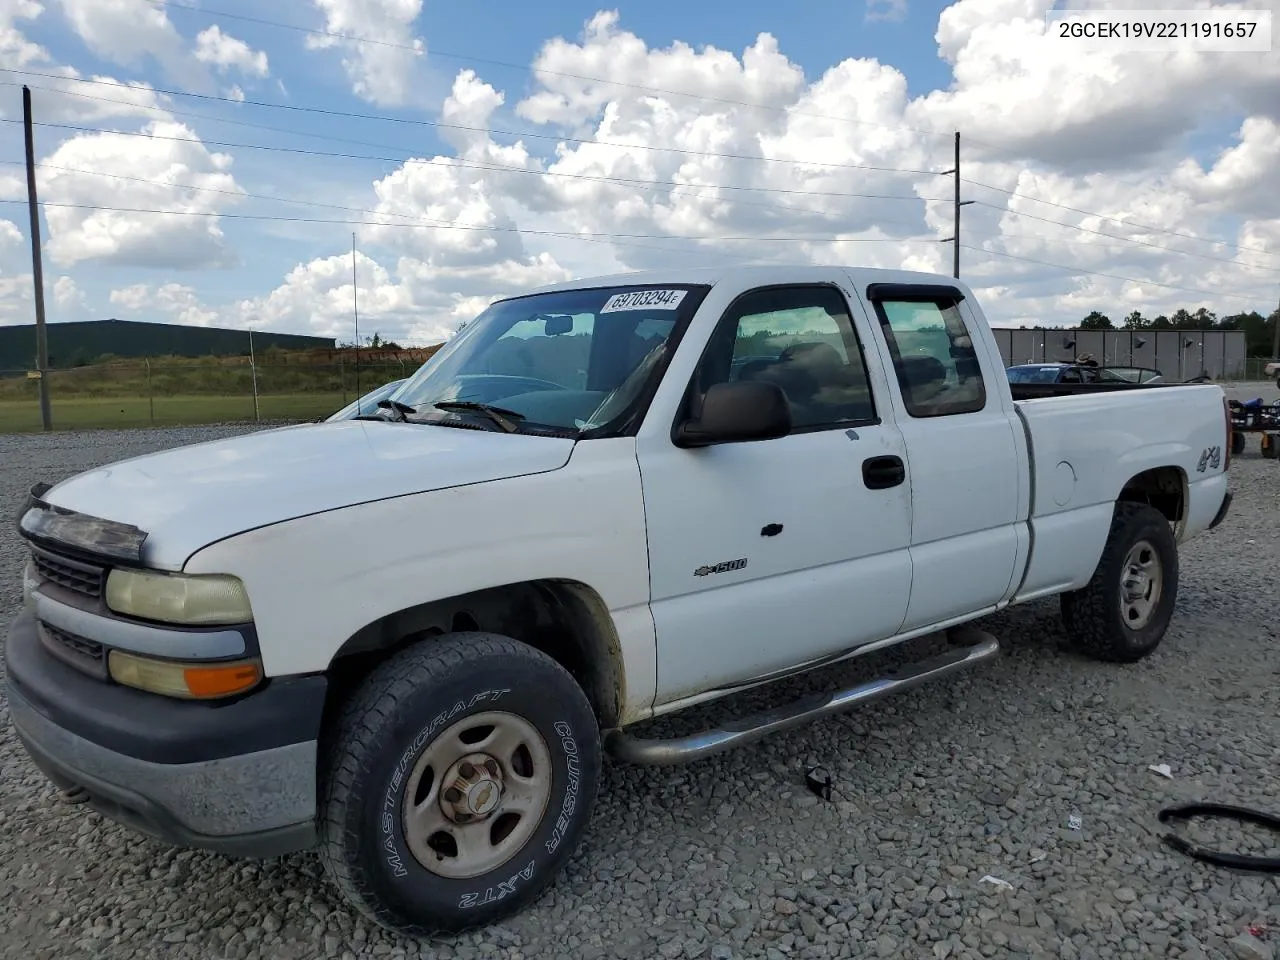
934	358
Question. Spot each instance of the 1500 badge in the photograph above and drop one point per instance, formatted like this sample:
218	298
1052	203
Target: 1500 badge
1210	457
720	567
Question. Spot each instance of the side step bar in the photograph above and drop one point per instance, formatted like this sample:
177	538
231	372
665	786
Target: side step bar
974	647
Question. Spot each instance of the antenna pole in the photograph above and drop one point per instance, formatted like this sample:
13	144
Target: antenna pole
355	310
37	271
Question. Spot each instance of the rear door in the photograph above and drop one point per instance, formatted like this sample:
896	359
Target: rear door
967	481
764	556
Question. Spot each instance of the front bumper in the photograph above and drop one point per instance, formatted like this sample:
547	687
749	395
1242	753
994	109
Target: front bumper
237	778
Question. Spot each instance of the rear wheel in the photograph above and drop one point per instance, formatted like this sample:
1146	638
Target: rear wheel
1270	448
459	779
1122	613
1237	443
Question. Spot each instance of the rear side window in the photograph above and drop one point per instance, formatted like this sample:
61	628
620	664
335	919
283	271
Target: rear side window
933	357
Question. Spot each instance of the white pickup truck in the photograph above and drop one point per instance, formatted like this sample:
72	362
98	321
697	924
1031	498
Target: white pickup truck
408	639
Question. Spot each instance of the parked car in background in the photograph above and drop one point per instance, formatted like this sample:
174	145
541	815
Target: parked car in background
1272	369
1066	372
367	403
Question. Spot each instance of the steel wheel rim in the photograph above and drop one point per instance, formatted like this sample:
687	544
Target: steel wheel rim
476	795
1141	585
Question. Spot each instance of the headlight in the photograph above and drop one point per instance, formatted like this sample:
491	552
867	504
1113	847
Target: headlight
200	600
30	580
190	681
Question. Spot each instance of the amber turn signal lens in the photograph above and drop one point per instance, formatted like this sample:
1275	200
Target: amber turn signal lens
184	680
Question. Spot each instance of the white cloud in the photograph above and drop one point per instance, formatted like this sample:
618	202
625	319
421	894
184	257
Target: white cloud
381	72
16	51
1047	100
105	98
66	295
892	10
1049	134
16	295
10	235
227	53
128	32
186	238
417	303
177	301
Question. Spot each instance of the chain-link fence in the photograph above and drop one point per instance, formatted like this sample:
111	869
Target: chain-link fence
211	390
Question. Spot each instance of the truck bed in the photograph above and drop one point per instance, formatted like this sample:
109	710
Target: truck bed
1036	391
1085	446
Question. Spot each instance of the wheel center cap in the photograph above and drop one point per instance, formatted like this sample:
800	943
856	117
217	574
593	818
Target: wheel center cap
483	797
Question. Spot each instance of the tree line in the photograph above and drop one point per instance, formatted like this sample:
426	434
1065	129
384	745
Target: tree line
1259	331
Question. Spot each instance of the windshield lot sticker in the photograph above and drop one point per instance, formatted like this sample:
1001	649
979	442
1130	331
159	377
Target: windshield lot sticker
644	300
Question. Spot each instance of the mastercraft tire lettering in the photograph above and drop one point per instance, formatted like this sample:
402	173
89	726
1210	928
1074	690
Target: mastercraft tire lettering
458	779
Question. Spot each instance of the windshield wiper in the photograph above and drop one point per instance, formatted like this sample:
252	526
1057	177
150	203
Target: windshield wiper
498	415
402	410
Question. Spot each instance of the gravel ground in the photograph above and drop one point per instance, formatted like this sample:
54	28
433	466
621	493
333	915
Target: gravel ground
731	857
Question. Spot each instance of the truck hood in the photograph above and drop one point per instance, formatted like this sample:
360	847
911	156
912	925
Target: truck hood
191	496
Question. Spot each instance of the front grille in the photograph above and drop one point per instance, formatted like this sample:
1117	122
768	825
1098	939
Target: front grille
87	656
85	579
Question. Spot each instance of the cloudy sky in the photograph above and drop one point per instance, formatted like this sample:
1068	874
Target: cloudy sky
207	161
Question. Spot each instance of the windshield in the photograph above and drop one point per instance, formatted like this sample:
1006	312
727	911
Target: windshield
573	361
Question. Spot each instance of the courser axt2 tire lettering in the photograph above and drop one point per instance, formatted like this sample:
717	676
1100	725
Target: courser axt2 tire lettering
570	747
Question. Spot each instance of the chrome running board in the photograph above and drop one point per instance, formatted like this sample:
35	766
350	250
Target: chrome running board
974	647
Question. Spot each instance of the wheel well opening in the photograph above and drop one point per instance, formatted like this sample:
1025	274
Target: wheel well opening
1163	488
564	619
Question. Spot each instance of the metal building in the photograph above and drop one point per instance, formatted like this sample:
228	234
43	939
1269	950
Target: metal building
1177	354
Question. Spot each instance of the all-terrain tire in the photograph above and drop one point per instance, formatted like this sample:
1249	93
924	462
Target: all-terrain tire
1096	617
1238	441
377	750
1270	447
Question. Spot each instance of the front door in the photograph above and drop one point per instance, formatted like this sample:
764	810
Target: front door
770	554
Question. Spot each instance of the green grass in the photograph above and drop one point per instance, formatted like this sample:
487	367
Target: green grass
87	413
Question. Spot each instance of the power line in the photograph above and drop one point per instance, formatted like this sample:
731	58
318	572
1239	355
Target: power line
241	194
644	183
1111	276
444	125
1119	220
373	41
1123	241
425	224
452	161
1134	240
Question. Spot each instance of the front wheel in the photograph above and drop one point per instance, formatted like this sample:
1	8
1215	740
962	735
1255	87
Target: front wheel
459	779
1122	613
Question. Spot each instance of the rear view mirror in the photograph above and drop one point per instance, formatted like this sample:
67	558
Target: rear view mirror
737	412
555	326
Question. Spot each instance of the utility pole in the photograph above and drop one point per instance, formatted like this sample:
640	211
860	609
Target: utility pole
954	239
37	271
355	310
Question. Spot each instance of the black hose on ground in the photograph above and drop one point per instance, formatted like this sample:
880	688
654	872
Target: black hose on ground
1234	861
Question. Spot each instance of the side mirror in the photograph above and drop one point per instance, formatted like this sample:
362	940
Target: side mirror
736	413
